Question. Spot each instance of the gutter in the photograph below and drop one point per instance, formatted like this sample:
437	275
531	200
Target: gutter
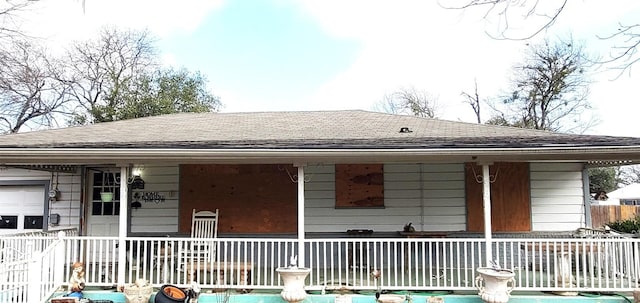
14	156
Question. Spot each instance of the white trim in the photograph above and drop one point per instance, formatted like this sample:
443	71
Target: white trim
486	203
301	252
122	228
92	156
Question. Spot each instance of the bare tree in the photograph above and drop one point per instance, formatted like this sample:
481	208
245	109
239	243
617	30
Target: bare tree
507	12
387	105
629	174
30	95
541	15
9	19
103	68
549	90
473	100
410	101
625	53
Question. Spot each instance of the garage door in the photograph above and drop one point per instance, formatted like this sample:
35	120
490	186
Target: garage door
21	208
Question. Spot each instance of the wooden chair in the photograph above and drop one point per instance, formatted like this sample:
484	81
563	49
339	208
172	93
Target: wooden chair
204	225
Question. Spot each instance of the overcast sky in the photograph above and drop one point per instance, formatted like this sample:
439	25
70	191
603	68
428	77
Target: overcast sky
261	55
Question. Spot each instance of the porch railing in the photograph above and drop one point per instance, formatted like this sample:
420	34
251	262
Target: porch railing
547	264
229	263
34	278
580	264
23	245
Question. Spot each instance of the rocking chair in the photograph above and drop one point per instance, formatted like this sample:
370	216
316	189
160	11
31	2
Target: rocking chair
204	225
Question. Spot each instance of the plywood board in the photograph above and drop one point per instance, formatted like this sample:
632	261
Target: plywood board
510	197
359	185
256	198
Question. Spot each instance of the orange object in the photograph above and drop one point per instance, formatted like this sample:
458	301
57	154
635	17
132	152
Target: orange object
174	292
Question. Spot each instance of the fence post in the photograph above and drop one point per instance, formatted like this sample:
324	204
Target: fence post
33	288
58	257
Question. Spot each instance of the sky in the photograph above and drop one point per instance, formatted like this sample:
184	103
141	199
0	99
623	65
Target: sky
295	55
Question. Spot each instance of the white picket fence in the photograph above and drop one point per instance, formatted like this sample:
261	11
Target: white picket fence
549	264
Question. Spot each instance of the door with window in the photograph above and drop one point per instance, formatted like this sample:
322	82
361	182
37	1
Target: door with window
104	206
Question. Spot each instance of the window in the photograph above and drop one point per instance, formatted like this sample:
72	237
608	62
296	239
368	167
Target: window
33	222
105	181
8	222
629	202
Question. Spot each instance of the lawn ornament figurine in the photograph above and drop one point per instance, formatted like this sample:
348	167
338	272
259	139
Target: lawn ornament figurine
76	281
408	228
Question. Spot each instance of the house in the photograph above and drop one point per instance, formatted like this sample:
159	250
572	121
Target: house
627	195
300	176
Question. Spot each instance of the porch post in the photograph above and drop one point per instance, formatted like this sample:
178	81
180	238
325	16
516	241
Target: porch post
486	202
301	253
586	199
122	224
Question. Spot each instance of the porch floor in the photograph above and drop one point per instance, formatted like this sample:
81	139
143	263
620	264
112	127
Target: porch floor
273	296
427	279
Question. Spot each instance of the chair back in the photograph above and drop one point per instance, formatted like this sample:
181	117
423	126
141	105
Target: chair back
204	224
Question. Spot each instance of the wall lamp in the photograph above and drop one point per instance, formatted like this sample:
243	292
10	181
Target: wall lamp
135	181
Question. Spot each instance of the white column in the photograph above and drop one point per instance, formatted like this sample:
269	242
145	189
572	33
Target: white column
486	203
301	253
122	224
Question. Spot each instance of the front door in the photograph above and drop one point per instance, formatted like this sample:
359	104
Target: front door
103	212
103	221
510	197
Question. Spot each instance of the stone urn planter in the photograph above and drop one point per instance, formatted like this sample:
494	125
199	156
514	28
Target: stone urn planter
138	292
293	278
494	284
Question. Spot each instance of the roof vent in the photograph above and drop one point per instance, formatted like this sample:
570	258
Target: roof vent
404	130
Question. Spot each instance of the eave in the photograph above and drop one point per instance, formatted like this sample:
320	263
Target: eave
80	156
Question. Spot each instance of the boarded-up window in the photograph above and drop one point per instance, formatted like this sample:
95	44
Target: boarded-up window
359	185
256	198
510	197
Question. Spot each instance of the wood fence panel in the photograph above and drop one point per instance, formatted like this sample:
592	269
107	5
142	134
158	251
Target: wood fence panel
603	214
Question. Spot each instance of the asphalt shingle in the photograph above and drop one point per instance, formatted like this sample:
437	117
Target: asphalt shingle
312	129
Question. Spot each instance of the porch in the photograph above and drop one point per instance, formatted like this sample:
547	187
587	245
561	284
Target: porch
542	263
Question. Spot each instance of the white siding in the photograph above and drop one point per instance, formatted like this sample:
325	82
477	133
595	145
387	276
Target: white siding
68	203
557	201
431	196
158	217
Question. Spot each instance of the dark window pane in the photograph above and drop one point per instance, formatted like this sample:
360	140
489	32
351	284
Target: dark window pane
117	210
9	222
33	222
96	194
96	209
108	208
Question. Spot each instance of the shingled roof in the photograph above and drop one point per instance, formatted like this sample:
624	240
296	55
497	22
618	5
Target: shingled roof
303	131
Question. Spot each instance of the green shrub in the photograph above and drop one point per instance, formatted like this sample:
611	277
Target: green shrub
626	226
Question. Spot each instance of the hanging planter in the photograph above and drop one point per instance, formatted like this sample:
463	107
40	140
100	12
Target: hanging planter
105	194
